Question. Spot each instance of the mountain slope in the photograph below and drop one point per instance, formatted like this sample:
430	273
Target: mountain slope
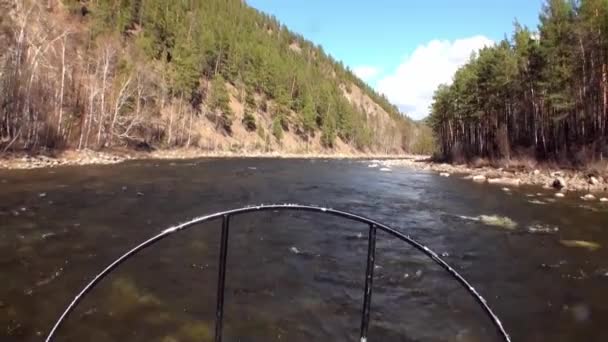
214	74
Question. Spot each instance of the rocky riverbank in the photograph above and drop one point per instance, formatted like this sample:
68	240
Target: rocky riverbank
90	157
48	160
563	181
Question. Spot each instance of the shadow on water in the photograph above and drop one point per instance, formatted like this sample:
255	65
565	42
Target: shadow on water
292	276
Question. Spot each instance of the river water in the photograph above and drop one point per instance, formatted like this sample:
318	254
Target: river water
293	276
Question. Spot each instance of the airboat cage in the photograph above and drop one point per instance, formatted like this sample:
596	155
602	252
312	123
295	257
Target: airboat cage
225	216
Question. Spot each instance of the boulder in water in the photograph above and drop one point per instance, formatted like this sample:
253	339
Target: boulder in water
498	221
588	197
542	229
602	272
560	195
589	245
444	174
192	331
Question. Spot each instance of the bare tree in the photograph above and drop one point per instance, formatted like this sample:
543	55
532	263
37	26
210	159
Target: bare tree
106	57
61	91
121	99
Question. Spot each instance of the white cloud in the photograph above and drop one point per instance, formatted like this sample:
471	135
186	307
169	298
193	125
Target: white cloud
365	72
411	86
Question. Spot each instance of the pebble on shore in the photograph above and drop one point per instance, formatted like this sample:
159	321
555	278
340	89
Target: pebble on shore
505	181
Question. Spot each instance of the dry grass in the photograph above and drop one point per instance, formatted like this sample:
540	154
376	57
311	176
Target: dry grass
386	135
242	141
598	168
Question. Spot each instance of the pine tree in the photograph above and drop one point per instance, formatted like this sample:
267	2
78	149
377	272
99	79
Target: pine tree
219	103
249	121
309	115
544	91
328	132
277	128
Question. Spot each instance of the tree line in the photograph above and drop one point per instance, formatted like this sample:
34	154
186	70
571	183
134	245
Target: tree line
538	93
119	72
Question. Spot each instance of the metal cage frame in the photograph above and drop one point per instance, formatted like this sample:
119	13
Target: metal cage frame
225	217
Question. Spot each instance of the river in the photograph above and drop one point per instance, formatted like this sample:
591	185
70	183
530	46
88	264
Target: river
293	276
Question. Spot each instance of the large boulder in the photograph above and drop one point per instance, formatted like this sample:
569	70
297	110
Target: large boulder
479	178
588	197
559	183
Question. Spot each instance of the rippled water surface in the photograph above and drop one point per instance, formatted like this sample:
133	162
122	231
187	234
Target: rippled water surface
293	276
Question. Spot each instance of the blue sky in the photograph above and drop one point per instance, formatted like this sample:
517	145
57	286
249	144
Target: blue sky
404	48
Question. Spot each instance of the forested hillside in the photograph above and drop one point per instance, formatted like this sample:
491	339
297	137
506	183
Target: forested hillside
213	74
540	94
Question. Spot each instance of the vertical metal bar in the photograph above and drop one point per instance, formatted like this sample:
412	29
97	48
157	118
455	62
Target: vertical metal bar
369	277
221	279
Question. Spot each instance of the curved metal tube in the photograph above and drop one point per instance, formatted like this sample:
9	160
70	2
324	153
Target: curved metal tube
295	207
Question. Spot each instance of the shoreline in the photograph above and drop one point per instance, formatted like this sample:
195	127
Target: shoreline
24	161
561	181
